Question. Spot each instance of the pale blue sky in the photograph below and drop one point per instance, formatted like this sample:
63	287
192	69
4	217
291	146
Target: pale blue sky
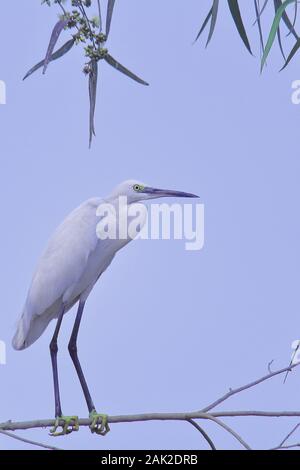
165	329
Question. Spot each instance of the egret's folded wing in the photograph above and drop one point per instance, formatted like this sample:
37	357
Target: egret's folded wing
65	258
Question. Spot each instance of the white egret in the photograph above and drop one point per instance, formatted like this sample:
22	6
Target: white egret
66	273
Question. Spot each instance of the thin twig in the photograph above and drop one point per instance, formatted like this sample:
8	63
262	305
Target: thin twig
246	387
255	413
230	430
201	430
286	437
269	366
292	360
291	446
28	441
81	7
62	7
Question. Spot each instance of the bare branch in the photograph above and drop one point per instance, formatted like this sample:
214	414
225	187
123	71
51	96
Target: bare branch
269	366
258	414
28	441
135	418
292	360
291	446
206	436
230	430
11	426
246	387
280	446
189	417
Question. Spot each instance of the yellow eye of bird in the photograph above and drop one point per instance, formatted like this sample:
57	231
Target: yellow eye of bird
137	187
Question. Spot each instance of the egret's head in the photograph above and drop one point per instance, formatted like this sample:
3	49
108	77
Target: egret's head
137	191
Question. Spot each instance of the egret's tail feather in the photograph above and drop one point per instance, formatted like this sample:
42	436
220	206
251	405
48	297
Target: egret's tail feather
30	328
19	339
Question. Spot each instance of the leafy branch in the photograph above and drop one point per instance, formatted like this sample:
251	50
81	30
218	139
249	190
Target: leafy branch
281	18
193	418
87	31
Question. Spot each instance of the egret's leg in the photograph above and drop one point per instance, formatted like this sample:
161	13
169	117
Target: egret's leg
74	356
99	421
66	421
53	353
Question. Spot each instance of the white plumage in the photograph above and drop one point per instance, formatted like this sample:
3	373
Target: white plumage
73	261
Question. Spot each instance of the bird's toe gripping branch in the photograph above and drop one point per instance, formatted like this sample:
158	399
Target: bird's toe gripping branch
67	423
99	424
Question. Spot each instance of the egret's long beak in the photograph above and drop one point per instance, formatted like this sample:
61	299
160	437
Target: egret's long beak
167	193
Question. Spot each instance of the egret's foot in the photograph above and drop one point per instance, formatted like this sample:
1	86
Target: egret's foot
70	424
99	423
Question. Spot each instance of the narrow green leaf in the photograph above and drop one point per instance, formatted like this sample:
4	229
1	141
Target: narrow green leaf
111	61
93	79
214	15
261	12
237	18
273	31
257	12
291	54
276	6
280	42
295	15
56	55
110	9
57	30
204	24
286	19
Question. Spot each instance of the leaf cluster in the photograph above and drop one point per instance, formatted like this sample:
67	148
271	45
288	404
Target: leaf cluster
87	30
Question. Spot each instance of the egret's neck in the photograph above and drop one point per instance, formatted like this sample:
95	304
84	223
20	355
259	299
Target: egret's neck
126	213
120	200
